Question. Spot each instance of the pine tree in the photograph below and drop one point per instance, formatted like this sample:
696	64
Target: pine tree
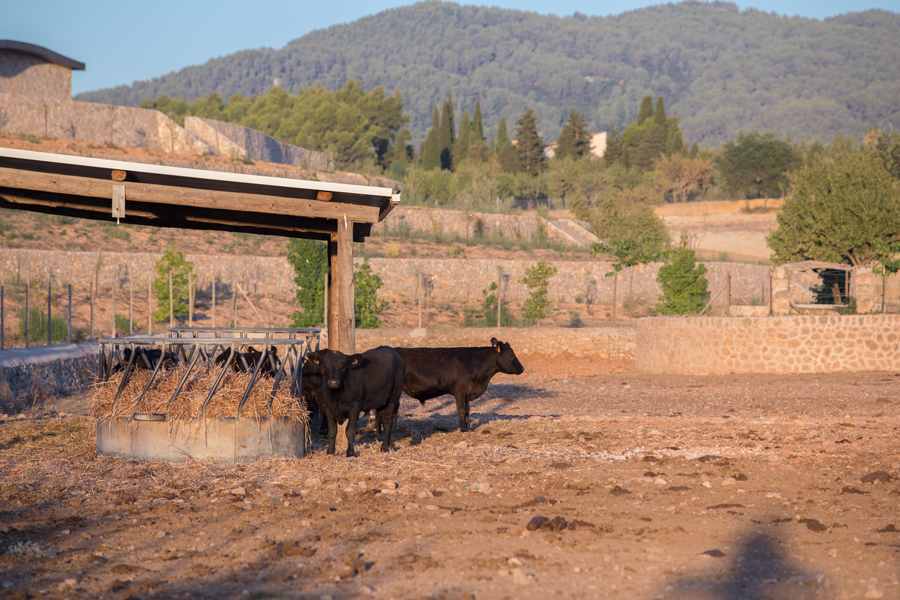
646	111
683	283
574	139
529	145
615	151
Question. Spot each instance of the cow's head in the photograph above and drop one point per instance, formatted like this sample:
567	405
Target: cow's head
507	361
332	366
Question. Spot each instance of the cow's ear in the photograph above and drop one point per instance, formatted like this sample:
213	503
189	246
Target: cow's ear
498	349
357	361
494	341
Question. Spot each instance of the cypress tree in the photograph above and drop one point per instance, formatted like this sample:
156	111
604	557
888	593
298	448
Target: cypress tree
646	110
430	152
464	142
477	124
660	115
574	140
445	136
503	148
529	145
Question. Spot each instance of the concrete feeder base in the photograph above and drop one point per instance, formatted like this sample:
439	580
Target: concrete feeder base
222	439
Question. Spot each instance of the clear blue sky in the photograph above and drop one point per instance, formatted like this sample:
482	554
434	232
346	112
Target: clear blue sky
126	40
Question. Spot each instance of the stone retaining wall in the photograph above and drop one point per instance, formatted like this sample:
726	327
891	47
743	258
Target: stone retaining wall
30	376
795	344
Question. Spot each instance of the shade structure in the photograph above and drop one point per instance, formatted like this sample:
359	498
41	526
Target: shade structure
187	198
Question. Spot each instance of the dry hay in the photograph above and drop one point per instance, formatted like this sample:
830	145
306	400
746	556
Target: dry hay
189	403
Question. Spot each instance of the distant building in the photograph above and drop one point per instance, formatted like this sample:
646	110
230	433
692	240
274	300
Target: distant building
30	70
598	146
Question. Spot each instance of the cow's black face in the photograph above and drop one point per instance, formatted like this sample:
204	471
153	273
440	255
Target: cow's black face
507	361
332	366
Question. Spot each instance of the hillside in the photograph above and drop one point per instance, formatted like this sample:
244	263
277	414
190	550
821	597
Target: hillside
722	70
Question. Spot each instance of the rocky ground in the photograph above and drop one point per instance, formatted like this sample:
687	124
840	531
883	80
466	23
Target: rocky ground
615	485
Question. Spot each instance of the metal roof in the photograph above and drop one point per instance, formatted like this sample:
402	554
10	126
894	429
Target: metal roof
43	53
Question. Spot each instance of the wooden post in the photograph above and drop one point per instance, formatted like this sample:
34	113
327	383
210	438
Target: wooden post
171	303
49	309
93	293
325	307
615	292
341	335
2	318
191	299
728	294
149	305
420	293
499	297
69	313
130	304
234	314
27	309
214	282
112	303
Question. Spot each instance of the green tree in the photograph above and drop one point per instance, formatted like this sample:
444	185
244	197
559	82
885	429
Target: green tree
574	139
446	135
844	206
683	283
529	145
477	125
488	313
646	111
172	262
629	231
368	307
756	165
505	151
309	259
430	152
537	280
464	140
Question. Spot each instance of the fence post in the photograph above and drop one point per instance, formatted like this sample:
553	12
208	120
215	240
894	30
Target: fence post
149	305
112	301
69	313
171	303
615	292
234	313
2	318
191	299
49	309
130	304
499	297
27	309
214	282
728	295
93	293
325	300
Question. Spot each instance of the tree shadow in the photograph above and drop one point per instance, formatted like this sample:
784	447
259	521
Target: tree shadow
760	568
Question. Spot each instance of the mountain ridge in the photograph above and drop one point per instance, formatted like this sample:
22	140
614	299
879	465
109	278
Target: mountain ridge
721	69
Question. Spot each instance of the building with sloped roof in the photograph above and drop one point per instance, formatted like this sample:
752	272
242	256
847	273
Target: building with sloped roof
31	70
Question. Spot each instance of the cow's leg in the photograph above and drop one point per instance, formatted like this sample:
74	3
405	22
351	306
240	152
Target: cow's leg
462	410
386	417
332	433
351	431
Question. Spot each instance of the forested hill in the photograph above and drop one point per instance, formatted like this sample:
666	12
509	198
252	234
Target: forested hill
721	70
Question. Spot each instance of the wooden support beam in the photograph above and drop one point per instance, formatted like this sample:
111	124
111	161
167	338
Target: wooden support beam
341	318
184	197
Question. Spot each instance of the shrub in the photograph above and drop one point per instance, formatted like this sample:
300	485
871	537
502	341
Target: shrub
368	306
172	262
537	280
37	326
683	283
309	259
487	315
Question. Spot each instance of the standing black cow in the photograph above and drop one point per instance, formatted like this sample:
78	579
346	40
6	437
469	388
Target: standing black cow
344	386
463	372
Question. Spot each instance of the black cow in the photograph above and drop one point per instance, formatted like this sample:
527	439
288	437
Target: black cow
250	359
463	372
145	358
344	386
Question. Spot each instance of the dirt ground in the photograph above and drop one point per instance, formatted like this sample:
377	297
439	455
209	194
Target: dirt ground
614	485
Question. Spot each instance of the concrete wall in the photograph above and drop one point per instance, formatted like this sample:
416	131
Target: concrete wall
615	343
798	344
104	124
456	281
29	75
228	139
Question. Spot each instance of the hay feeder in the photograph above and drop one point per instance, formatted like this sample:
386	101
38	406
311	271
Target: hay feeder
204	393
